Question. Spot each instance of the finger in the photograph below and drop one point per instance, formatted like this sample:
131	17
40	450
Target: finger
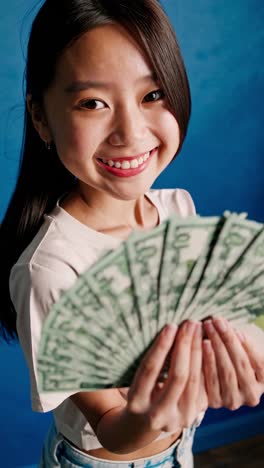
225	369
156	391
190	397
211	376
180	364
255	357
202	400
193	382
248	385
145	378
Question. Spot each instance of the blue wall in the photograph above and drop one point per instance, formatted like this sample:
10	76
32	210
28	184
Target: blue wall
221	164
222	159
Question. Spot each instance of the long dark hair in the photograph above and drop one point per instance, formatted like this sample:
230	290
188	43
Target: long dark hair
42	177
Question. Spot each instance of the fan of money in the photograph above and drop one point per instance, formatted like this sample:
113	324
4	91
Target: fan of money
97	333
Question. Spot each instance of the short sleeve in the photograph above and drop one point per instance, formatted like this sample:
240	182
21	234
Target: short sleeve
172	201
33	290
182	203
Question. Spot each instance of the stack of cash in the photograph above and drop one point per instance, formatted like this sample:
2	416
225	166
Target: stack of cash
97	333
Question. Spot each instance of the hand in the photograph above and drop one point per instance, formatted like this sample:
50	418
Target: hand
176	403
233	369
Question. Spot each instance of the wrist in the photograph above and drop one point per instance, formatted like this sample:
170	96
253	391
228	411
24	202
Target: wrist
123	432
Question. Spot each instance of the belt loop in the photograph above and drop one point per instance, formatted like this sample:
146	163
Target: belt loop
55	441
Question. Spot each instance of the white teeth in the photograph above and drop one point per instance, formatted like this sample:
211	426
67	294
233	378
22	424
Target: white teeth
125	165
134	163
146	156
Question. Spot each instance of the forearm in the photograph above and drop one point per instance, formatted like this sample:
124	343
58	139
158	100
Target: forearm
120	432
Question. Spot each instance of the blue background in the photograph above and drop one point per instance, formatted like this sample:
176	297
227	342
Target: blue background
221	164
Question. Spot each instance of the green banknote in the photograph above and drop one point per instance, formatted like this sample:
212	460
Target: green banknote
96	335
111	281
192	285
232	242
240	276
185	242
144	254
249	299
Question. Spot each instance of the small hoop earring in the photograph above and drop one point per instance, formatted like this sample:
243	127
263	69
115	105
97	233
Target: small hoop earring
48	145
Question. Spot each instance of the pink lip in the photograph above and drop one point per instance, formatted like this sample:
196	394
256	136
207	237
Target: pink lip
127	172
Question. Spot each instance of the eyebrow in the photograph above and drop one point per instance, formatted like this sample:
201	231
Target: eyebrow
79	85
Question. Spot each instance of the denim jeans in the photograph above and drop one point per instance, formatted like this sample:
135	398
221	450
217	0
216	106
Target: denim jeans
59	452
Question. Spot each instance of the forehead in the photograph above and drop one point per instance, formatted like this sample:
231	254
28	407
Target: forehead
108	51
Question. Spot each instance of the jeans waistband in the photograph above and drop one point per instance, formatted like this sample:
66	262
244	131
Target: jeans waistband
59	452
69	448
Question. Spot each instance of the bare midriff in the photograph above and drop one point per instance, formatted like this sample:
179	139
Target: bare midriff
151	449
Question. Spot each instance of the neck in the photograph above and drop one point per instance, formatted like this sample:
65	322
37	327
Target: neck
104	212
111	212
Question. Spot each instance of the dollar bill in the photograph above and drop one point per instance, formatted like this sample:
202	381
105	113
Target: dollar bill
144	253
64	366
80	310
101	345
195	278
240	275
55	378
111	281
96	335
185	241
250	297
234	239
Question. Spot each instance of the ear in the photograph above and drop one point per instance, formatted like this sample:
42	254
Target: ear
39	119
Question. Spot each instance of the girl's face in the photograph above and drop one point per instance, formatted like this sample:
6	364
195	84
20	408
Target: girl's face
108	116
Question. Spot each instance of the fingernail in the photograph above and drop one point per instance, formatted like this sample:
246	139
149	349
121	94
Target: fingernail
170	329
207	346
190	327
209	326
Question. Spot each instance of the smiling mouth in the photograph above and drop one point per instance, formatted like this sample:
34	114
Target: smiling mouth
127	163
127	166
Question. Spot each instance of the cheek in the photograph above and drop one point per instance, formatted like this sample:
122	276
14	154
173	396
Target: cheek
83	137
168	129
76	148
72	139
77	138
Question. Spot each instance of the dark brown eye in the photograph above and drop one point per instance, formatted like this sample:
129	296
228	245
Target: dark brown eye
154	96
92	104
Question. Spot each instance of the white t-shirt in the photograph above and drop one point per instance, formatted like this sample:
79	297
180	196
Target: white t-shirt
63	249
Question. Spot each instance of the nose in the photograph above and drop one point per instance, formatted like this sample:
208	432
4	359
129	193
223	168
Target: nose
130	126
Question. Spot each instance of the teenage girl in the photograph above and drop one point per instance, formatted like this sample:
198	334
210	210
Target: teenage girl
107	109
